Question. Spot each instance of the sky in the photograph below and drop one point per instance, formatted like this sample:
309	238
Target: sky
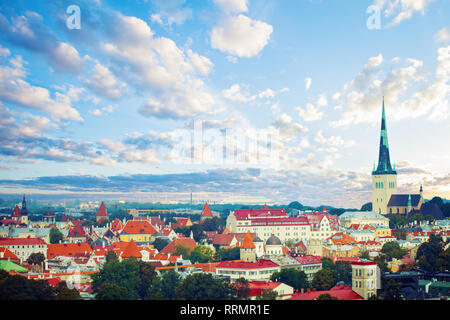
275	101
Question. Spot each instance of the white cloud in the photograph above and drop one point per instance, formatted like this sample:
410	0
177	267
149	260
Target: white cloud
170	72
236	93
443	35
103	82
241	36
310	113
14	89
308	82
401	9
232	6
408	91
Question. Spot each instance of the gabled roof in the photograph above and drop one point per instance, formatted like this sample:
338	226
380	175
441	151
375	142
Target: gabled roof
117	225
223	239
341	238
132	251
206	212
21	241
186	242
77	231
102	212
247	243
245	214
308	259
258	287
5	253
401	200
138	227
67	249
16	212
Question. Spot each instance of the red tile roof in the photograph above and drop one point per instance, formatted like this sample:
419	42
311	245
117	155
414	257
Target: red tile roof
16	212
132	250
341	292
206	212
186	242
67	249
223	239
308	259
138	227
102	212
21	241
116	225
246	214
260	264
5	253
258	287
77	231
247	243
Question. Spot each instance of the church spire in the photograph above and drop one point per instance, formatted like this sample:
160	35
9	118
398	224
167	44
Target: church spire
384	161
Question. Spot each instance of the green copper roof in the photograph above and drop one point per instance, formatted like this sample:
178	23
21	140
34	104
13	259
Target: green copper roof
384	161
8	265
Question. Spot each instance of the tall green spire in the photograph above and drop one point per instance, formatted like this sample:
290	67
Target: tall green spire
384	161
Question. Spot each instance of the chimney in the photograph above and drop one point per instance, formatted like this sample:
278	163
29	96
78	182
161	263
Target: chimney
302	290
308	291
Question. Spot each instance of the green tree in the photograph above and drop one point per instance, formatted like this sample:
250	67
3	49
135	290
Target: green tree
267	295
112	291
326	296
213	224
392	250
181	250
36	258
428	253
19	288
118	274
110	256
327	263
160	243
393	290
397	220
382	263
55	235
201	254
443	261
343	272
416	217
242	289
202	286
292	277
164	286
147	275
367	207
324	279
64	293
226	254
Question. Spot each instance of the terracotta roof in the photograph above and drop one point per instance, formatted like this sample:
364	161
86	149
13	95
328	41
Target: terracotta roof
138	227
102	212
226	230
341	238
21	241
5	253
247	243
206	212
77	231
116	225
132	250
16	212
223	239
341	292
186	242
64	218
67	249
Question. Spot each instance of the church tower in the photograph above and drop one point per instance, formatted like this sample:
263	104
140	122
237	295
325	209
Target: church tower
384	178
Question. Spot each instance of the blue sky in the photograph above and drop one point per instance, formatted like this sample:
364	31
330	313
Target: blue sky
111	107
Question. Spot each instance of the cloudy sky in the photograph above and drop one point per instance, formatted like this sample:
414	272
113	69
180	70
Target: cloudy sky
275	100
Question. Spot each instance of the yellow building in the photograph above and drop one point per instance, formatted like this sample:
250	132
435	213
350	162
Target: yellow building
141	232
